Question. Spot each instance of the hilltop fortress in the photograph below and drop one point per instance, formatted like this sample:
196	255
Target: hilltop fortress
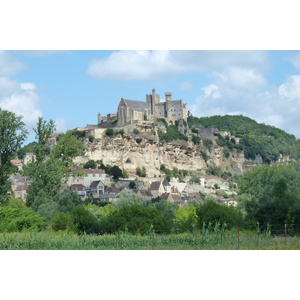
132	111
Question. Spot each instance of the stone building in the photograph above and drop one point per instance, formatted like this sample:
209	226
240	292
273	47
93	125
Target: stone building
132	111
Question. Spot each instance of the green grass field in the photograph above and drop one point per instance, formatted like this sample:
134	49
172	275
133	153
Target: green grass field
230	240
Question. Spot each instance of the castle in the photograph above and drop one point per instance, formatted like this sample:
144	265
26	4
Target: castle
131	111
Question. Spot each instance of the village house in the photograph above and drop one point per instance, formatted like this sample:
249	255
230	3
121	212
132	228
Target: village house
109	197
17	163
21	191
29	158
80	189
97	188
87	176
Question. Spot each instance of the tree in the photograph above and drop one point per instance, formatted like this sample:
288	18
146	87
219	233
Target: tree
67	200
84	221
46	182
61	221
215	213
12	135
270	194
186	218
91	164
14	219
128	197
116	172
132	185
44	130
67	148
136	218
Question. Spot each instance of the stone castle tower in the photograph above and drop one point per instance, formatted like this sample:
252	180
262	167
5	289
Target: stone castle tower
132	111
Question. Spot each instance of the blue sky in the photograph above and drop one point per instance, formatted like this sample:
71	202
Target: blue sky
71	87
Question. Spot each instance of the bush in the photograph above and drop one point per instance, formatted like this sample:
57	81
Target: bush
109	132
61	221
91	164
141	172
13	219
136	219
84	221
215	213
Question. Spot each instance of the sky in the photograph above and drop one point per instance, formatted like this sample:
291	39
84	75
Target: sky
72	87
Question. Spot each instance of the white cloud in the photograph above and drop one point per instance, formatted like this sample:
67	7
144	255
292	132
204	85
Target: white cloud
61	124
149	65
185	86
20	98
295	60
8	65
249	96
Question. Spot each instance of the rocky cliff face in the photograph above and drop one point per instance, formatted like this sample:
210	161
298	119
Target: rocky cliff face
146	150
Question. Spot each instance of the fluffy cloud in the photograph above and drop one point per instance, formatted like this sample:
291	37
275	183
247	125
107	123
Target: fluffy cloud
8	65
20	98
185	86
149	65
244	91
295	60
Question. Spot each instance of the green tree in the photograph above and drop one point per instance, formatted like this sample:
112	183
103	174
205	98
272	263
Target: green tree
13	219
215	213
84	221
128	197
67	200
136	218
116	172
61	221
12	134
67	148
91	164
46	182
186	218
44	130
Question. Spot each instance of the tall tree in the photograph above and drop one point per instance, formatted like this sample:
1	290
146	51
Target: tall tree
12	134
44	130
68	147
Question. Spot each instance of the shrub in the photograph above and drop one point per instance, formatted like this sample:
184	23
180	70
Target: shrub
141	172
109	132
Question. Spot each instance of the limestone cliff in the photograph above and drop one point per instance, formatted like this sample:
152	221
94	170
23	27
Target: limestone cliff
129	151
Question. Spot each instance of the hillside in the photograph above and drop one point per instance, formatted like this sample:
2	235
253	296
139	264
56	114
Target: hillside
255	139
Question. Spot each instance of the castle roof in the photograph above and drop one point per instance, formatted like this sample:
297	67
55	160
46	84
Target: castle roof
136	105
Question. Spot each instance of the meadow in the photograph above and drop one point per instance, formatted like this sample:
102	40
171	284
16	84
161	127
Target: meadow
230	240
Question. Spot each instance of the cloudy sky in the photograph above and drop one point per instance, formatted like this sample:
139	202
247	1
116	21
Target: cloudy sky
71	87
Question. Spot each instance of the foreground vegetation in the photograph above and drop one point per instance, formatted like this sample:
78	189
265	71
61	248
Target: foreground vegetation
214	240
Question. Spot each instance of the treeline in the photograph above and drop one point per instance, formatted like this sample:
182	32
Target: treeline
255	139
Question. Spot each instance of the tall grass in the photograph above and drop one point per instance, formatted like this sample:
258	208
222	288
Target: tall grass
209	238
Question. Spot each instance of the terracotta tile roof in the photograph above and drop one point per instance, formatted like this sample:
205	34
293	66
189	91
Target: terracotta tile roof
23	187
77	187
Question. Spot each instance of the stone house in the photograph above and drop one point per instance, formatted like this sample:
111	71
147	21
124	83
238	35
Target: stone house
156	189
29	158
80	189
97	188
110	197
21	191
17	163
88	176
